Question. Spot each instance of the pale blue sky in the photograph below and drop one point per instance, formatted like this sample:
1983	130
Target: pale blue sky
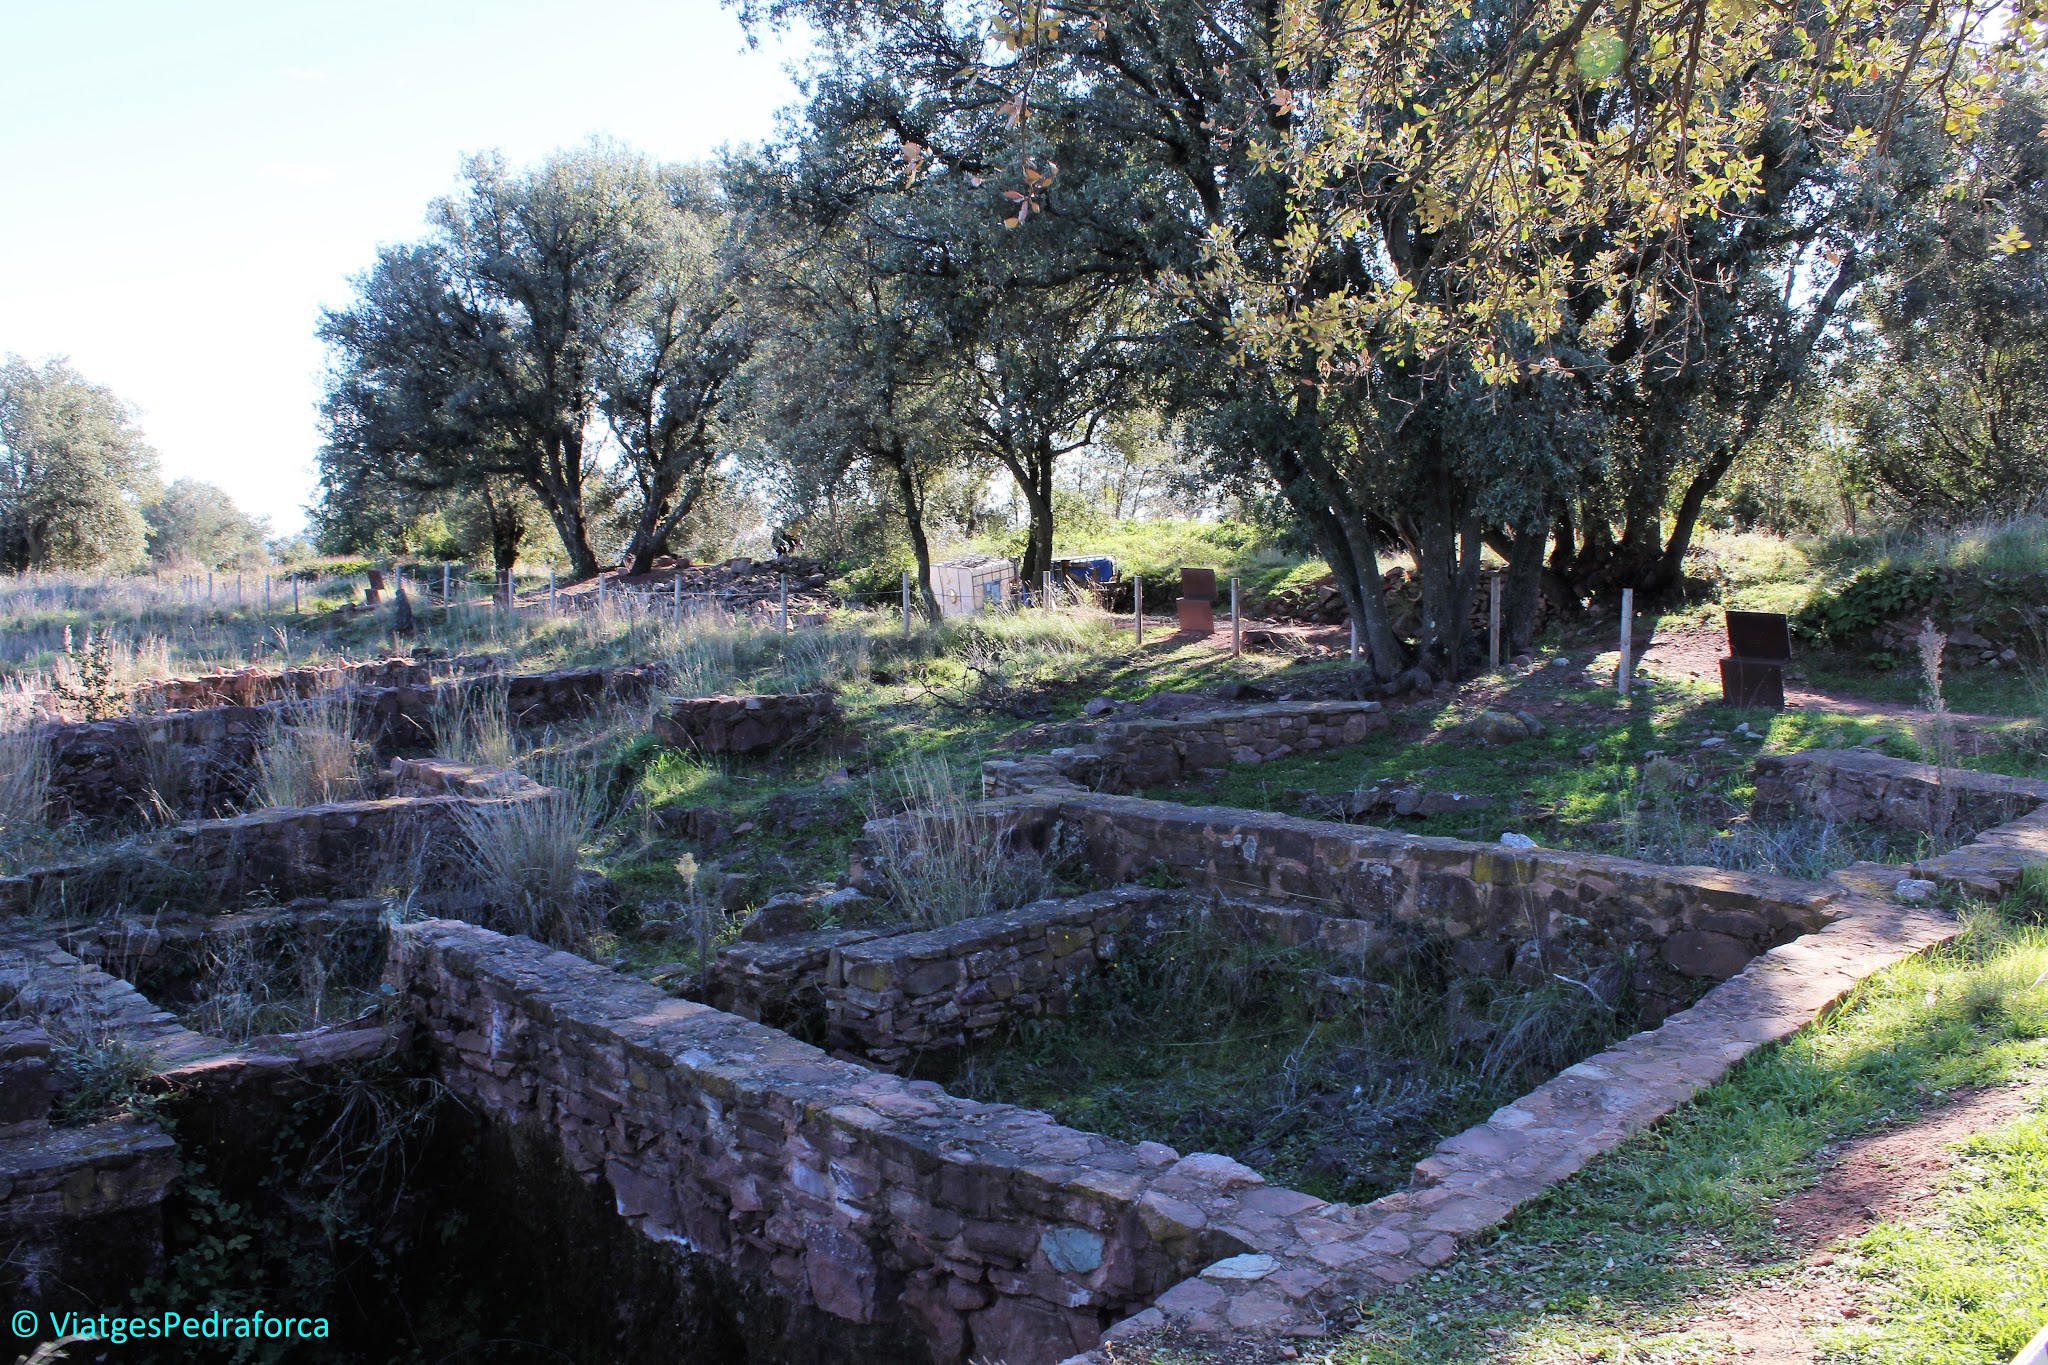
184	185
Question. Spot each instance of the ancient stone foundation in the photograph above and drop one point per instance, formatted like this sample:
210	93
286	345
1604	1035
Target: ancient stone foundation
743	725
345	848
205	760
1502	911
81	1207
2009	814
255	686
977	1230
1129	755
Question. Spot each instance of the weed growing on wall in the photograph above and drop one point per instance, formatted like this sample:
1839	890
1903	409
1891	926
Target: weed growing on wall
943	861
525	858
24	781
311	755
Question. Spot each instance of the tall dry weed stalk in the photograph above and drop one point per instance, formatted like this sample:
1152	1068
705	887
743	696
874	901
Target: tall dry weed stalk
1936	728
706	918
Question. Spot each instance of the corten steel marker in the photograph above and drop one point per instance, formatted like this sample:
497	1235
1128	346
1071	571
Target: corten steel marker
1196	610
1759	647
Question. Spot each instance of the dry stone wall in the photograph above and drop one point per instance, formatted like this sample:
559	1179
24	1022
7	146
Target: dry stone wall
1870	788
346	848
205	760
1526	913
256	686
1857	785
907	997
978	1230
81	1207
743	725
991	1232
1128	755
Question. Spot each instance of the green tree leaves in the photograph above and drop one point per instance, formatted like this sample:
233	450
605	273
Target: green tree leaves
74	472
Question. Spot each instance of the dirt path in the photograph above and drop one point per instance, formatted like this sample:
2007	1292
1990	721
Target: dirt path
1892	1175
1694	651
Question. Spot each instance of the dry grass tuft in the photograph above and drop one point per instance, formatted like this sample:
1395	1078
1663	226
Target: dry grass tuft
312	758
525	858
943	861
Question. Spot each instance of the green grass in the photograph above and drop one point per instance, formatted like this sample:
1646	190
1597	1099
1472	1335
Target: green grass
1160	548
1208	1042
1613	1264
1970	1283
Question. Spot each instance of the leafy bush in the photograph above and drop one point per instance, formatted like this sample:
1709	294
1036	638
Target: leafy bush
1871	597
2000	605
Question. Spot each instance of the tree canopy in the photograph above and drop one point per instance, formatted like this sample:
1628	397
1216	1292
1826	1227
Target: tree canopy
74	472
560	323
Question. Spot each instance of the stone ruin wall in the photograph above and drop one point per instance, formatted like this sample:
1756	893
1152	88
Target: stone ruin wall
967	1229
1129	755
81	1207
337	850
106	770
743	725
255	686
898	996
1857	786
1891	793
921	1223
1504	912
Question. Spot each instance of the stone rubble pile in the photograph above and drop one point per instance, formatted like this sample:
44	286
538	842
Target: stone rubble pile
739	586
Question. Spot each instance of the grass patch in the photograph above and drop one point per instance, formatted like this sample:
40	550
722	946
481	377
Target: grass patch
1619	1262
1335	1085
1971	1283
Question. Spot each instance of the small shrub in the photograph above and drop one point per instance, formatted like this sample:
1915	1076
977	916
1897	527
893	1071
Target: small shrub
525	857
98	1077
312	758
944	862
89	682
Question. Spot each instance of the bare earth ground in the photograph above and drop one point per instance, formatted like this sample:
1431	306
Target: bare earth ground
1695	651
1893	1175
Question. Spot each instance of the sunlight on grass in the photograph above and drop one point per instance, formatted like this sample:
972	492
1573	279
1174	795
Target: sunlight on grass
1970	1282
1618	1263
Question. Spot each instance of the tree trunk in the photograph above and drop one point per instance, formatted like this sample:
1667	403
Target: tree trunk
508	529
1522	593
657	522
1038	538
913	525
